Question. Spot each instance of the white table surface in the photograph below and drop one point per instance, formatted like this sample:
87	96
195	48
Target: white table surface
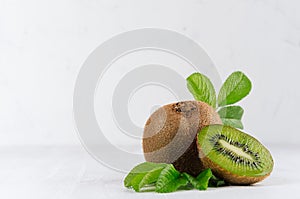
70	172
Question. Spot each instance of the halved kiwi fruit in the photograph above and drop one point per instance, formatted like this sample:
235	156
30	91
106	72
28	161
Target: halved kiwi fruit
234	156
170	134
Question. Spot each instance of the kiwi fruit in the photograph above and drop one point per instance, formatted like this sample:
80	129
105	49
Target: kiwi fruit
234	156
170	134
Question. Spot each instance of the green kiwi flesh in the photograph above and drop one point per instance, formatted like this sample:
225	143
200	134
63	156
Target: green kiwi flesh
235	156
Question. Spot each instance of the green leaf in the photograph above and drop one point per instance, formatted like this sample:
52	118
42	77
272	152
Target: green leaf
164	178
143	174
231	112
201	181
216	182
169	180
231	116
202	89
233	123
235	88
151	177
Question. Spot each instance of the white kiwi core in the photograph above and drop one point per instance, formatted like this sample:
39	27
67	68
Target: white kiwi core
235	149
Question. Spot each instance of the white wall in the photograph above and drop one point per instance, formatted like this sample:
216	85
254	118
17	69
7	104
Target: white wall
44	43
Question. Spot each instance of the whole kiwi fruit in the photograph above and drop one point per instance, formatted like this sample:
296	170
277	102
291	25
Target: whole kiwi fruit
234	156
170	134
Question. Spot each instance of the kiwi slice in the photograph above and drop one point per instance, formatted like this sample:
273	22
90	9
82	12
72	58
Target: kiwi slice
170	134
234	156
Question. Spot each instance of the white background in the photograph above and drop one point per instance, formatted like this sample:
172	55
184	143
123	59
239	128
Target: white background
44	43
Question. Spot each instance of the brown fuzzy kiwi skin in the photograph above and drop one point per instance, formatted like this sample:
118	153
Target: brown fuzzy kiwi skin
170	134
228	177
